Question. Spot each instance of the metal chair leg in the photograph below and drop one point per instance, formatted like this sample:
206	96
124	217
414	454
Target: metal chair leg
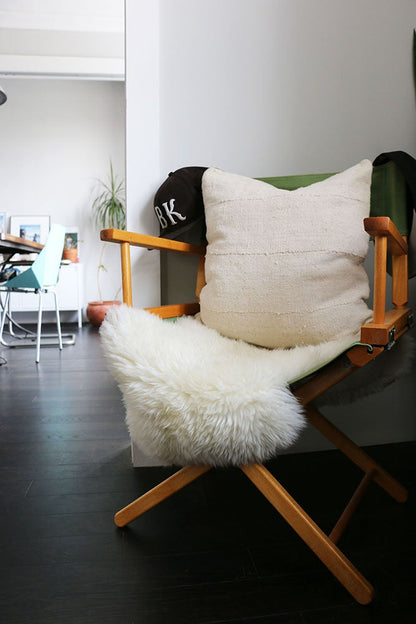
39	327
4	307
58	320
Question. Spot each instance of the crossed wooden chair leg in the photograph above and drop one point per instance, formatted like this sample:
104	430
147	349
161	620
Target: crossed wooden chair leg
161	492
312	535
322	545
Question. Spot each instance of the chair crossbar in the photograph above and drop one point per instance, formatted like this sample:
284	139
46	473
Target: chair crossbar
47	340
356	454
351	507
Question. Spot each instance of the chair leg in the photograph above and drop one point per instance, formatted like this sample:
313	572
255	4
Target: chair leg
10	319
58	320
356	454
153	497
39	328
4	309
351	508
312	535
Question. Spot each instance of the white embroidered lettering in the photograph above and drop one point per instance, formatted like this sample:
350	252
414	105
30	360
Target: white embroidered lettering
169	209
162	220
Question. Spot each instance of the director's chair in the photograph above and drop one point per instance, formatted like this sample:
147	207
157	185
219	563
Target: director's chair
377	336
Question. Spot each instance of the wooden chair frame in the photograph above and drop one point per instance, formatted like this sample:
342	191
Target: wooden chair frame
378	335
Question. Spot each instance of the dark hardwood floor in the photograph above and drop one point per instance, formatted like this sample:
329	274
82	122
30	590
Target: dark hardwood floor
216	552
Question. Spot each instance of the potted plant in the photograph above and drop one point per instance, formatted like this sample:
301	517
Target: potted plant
108	211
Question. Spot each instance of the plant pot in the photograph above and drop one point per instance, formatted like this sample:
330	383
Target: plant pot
70	254
96	311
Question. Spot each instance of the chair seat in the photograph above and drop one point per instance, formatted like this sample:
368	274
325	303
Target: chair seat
193	396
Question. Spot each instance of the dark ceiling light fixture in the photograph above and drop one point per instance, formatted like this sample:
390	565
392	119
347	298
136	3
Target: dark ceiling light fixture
3	96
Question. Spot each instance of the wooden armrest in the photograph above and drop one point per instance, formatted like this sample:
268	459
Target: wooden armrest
172	311
384	226
396	322
126	239
149	242
386	326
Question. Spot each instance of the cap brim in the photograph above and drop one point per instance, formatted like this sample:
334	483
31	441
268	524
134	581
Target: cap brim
193	233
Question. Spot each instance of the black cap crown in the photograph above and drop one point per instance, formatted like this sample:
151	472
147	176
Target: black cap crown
179	206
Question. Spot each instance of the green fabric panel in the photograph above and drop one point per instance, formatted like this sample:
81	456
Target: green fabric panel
388	196
388	191
414	58
290	183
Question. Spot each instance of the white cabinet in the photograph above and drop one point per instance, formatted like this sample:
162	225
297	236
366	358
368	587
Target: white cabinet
69	291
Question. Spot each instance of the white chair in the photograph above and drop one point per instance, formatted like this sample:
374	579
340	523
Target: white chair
40	278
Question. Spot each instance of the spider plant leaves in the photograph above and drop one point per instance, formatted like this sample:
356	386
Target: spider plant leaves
108	208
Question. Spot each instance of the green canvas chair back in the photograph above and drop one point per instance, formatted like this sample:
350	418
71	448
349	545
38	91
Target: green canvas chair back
388	192
44	271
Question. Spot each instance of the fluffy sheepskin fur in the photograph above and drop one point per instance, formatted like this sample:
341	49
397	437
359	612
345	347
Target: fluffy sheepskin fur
193	396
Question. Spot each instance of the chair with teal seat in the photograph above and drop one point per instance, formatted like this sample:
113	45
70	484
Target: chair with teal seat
40	278
161	364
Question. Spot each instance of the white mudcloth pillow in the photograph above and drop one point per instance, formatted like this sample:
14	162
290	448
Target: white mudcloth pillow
285	268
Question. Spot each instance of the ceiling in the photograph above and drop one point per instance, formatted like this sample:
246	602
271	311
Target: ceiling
72	39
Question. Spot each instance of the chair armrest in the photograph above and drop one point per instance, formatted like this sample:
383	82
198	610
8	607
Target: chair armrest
384	226
149	242
126	239
386	326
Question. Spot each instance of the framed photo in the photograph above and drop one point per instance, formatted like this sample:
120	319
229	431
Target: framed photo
3	222
33	228
71	237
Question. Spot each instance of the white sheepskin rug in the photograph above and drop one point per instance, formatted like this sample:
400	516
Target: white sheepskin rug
193	396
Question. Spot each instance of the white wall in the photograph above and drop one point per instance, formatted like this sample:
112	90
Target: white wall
142	141
57	138
267	87
274	87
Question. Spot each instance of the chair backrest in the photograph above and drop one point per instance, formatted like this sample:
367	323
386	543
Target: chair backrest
388	199
388	192
44	271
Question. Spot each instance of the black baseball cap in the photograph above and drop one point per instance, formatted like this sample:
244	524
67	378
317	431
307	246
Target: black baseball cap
179	206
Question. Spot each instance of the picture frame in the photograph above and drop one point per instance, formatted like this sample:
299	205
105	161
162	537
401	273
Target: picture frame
31	227
71	237
3	222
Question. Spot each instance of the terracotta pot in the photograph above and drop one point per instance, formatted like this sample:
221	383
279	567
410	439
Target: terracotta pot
96	311
70	254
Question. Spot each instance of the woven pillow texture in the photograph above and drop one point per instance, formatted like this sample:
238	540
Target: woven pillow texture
285	268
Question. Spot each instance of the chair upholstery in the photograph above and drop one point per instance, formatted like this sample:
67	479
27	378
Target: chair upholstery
134	362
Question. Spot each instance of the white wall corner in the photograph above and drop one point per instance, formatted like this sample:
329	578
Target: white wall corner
143	140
